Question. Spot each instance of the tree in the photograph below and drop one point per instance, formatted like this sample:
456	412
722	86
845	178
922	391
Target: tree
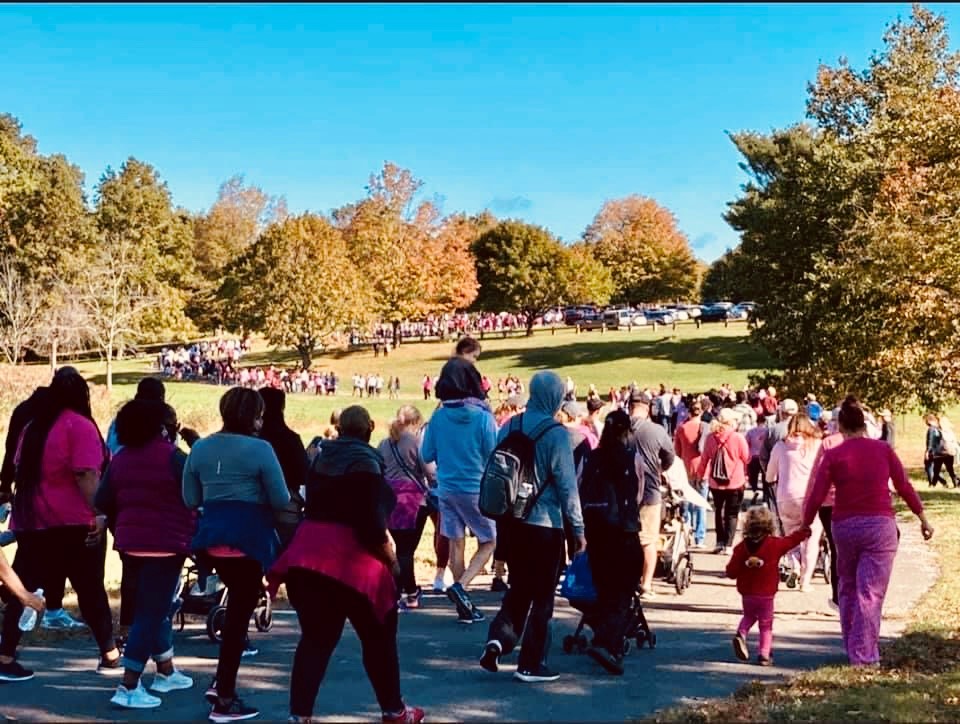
852	226
522	268
21	310
297	285
725	279
649	258
588	281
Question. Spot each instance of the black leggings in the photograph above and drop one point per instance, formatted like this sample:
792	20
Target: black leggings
826	517
726	509
407	542
323	605
940	462
82	564
243	579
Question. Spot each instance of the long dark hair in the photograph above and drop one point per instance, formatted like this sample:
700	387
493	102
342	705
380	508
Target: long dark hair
66	392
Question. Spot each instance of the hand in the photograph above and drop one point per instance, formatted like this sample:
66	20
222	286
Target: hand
31	600
807	532
395	568
189	435
926	529
97	528
581	544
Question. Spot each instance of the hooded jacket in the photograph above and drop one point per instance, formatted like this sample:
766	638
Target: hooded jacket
791	462
733	446
459	379
553	456
459	439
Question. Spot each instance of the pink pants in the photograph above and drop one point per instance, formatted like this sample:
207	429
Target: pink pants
758	609
866	547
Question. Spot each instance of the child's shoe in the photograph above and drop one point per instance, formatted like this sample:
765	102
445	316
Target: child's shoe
764	660
740	647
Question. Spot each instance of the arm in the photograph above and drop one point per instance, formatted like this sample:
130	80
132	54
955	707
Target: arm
10	579
678	444
789	542
819	490
744	448
773	464
902	485
667	454
271	477
739	557
489	439
565	478
428	449
709	450
105	499
192	487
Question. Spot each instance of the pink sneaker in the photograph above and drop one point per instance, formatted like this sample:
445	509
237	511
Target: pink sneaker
410	715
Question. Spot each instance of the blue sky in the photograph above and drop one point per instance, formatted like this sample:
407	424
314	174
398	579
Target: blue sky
541	112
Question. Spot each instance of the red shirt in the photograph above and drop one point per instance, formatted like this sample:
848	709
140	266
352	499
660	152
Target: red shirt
686	444
769	405
763	580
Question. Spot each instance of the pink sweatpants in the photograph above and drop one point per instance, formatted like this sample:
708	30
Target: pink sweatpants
758	609
866	547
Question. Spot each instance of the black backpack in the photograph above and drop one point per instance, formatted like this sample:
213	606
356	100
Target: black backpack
599	498
510	486
718	470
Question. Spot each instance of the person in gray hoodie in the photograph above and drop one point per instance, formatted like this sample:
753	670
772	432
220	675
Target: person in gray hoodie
536	544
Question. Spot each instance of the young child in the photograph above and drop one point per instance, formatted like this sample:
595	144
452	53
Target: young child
754	565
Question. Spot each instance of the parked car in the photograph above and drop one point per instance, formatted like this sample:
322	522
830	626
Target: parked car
618	318
591	319
660	316
572	315
715	312
693	311
553	316
741	311
679	312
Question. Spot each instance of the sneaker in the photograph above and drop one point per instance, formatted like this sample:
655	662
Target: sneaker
499	585
14	672
439	585
172	682
470	615
460	599
792	579
135	699
764	661
728	550
60	620
409	715
490	661
718	550
110	668
834	606
411	601
249	650
232	710
211	693
647	595
541	673
612	664
740	647
696	546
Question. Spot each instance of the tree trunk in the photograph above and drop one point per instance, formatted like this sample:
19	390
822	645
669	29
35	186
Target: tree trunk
530	318
396	334
54	349
306	355
109	368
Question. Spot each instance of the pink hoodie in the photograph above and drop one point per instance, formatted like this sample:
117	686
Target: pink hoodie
791	462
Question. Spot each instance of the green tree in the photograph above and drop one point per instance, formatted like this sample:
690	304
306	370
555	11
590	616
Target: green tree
649	258
521	268
853	229
297	286
588	281
725	279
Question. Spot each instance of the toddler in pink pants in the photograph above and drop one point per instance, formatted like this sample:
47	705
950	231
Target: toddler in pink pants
754	565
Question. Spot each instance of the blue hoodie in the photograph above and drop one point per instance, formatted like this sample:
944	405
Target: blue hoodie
554	456
459	439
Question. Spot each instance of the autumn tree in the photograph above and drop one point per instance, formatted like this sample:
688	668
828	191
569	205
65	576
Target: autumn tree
649	258
297	286
587	280
21	310
853	229
521	268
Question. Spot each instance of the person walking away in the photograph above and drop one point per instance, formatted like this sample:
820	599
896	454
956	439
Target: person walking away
582	441
748	418
756	439
405	474
864	527
55	616
653	453
888	431
770	405
724	467
149	388
826	514
594	408
609	497
292	456
237	480
776	431
61	457
754	565
791	462
945	451
459	439
341	566
686	444
536	542
142	490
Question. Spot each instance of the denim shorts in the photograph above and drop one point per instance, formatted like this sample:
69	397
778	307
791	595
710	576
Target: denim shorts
459	511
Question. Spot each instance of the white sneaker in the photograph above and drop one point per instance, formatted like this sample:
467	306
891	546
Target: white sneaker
60	620
174	682
136	699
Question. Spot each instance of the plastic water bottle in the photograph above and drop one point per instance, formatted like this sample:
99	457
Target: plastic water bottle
5	512
28	619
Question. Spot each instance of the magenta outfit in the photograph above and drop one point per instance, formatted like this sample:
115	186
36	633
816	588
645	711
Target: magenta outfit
758	609
865	532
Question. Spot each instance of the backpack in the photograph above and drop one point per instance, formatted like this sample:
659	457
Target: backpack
948	442
718	470
599	498
510	486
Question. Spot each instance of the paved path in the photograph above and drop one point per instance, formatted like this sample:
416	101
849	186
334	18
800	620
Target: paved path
693	660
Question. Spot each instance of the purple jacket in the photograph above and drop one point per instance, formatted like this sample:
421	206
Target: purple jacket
141	493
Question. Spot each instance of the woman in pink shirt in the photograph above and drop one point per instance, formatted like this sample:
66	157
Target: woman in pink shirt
791	464
864	527
727	494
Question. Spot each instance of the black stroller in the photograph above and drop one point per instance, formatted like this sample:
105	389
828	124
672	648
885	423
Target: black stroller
212	604
577	587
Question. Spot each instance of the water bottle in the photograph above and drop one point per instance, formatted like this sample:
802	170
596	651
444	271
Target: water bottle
523	498
28	619
5	512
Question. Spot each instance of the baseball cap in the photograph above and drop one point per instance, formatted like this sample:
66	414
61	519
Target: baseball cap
572	409
637	396
789	407
594	404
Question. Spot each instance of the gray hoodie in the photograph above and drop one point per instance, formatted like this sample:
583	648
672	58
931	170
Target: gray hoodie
554	456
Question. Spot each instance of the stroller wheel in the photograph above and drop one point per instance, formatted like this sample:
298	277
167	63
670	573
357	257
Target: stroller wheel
215	622
626	646
263	618
652	639
569	644
181	621
682	581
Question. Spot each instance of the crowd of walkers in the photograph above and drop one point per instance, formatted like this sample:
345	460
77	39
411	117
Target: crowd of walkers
338	522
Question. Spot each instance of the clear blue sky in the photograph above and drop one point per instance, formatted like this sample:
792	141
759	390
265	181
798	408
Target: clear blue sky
541	112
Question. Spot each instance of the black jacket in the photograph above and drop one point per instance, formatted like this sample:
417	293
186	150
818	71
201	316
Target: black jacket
22	414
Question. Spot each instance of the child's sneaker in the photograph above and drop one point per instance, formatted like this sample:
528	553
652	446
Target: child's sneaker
409	715
764	660
740	647
792	579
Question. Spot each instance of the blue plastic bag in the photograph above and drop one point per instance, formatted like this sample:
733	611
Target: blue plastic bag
578	581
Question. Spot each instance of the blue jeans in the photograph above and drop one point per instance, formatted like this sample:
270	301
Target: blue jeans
696	516
151	635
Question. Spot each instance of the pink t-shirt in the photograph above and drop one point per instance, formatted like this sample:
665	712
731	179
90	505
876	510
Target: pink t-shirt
73	444
756	436
860	468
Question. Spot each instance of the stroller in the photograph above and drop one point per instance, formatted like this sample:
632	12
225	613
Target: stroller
673	554
210	601
577	587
